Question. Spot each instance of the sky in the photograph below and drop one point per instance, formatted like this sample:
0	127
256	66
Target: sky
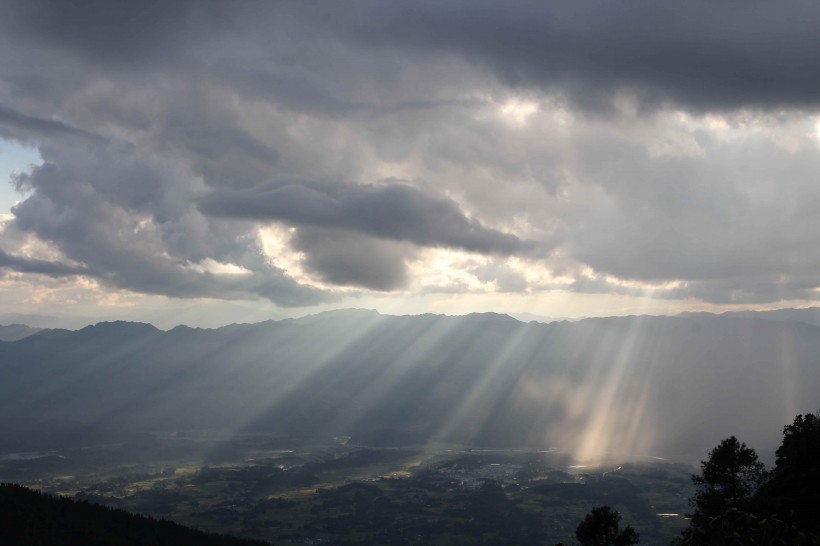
214	162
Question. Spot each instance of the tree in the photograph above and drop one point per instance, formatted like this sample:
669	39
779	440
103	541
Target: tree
728	479
800	450
793	492
734	505
601	527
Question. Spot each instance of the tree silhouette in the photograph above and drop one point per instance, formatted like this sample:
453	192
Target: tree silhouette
734	505
800	450
728	479
793	492
601	527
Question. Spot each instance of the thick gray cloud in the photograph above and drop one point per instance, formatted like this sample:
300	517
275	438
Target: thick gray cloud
16	125
351	259
736	220
114	34
700	54
43	267
473	126
704	55
394	211
125	217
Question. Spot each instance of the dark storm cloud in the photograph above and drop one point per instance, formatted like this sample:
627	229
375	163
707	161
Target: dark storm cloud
392	211
15	124
700	54
351	259
23	264
113	33
162	123
198	125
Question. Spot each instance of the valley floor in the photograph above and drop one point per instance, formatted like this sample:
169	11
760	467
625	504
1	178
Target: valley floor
258	487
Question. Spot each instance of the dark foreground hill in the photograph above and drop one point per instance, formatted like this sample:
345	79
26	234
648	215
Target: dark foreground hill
635	385
29	518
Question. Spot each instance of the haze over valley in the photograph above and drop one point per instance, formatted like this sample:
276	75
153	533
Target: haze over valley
635	386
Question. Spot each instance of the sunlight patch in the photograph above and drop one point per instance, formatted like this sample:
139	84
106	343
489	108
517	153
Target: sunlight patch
209	265
276	245
30	246
538	275
817	129
444	270
517	111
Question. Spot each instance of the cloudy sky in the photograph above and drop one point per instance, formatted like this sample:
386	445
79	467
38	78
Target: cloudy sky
215	162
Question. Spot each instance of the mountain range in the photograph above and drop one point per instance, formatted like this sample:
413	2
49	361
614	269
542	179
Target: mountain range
640	386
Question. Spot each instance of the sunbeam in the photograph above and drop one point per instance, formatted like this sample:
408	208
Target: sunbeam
612	407
476	404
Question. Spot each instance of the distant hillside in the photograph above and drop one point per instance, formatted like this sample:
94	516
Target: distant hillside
14	332
808	315
33	519
46	321
634	385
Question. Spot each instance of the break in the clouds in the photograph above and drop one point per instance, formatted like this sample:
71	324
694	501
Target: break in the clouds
301	153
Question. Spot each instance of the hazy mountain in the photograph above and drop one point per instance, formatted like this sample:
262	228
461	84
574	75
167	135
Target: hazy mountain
47	321
809	315
530	317
667	386
14	332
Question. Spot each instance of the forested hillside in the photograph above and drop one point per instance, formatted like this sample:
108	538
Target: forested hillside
29	518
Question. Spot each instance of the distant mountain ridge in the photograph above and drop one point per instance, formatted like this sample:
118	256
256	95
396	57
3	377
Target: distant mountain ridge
651	385
808	315
15	332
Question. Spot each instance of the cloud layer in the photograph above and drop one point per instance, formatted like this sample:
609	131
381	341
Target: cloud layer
391	211
610	147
